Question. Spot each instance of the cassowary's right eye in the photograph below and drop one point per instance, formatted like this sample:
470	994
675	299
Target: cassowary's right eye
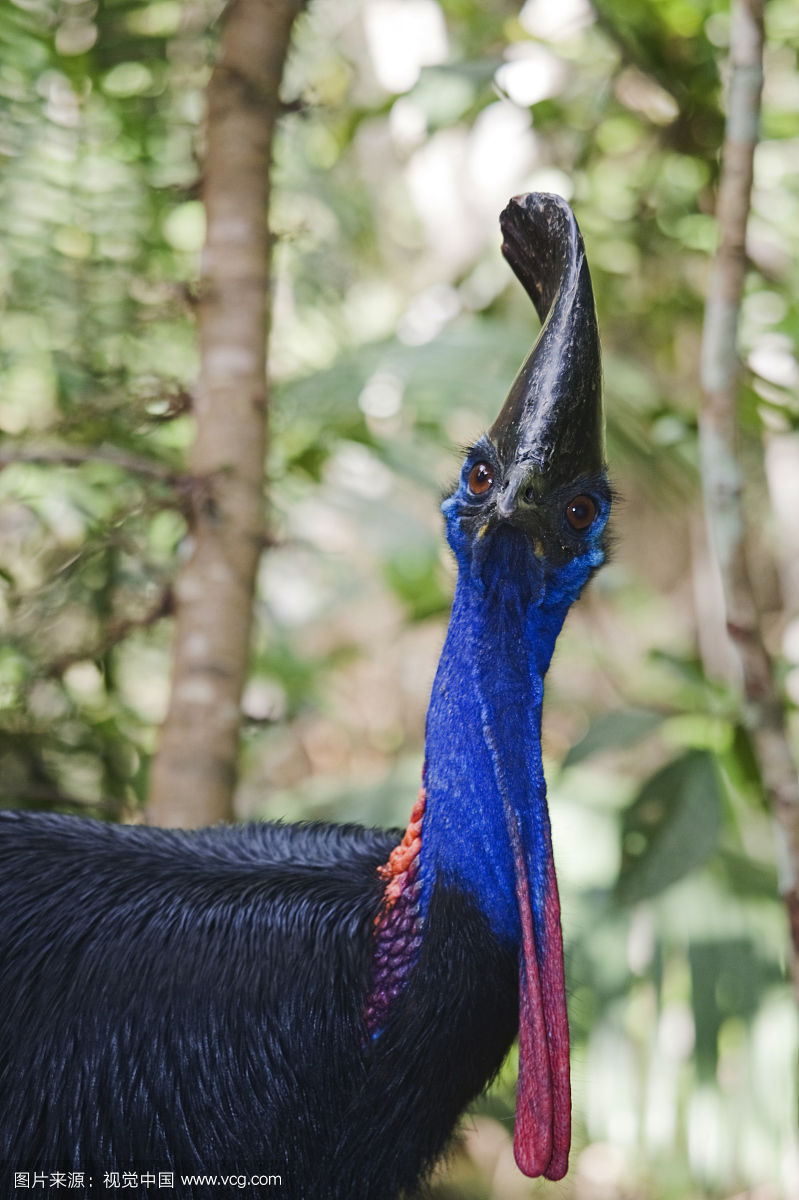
580	512
481	478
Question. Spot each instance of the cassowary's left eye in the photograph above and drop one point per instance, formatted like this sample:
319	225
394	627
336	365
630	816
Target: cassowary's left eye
580	512
481	478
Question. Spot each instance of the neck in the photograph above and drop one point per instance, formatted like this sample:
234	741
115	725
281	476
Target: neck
483	751
484	795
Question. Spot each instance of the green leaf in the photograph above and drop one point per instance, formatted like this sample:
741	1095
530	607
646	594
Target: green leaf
743	766
745	877
613	731
671	827
413	575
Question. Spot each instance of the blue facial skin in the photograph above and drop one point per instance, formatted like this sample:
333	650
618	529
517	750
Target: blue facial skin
517	579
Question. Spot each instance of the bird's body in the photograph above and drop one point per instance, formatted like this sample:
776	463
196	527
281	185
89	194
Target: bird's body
204	958
320	1003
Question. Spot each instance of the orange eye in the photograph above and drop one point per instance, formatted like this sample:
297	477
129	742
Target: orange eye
580	512
481	478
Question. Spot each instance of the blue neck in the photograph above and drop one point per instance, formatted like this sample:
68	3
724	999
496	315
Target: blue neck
483	749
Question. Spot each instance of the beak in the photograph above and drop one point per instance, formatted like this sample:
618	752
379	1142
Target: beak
552	422
549	433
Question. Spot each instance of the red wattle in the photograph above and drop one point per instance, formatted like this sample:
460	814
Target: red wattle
543	1102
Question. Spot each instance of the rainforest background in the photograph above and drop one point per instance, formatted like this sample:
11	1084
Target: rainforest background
396	330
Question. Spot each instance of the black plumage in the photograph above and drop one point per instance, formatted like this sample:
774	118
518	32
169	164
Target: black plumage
230	965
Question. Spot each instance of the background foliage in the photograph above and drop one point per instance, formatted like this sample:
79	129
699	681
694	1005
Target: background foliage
397	330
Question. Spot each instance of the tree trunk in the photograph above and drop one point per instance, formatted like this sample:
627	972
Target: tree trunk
195	768
764	712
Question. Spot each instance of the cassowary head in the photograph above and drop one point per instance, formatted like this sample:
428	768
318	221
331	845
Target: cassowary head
540	469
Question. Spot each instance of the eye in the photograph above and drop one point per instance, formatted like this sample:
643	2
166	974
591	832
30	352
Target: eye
481	478
580	512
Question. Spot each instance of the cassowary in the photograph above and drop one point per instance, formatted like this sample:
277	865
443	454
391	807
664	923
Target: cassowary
320	1002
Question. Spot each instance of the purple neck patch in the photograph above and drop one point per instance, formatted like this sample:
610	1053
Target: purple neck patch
398	926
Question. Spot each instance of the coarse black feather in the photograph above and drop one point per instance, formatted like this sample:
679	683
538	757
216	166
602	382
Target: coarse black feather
197	1006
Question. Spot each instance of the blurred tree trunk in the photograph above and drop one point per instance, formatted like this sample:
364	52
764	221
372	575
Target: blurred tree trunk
764	713
195	767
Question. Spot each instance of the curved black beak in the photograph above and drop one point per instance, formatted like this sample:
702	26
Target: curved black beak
552	423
